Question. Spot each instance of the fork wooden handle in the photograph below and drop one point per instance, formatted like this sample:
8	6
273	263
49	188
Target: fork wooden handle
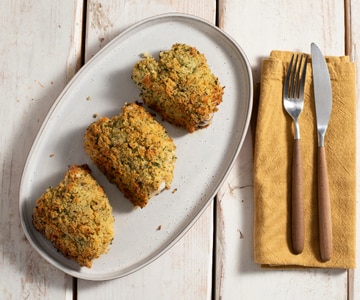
297	205
325	227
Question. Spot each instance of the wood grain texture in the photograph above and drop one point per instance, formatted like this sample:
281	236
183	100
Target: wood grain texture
325	224
260	28
186	269
354	12
297	200
107	19
39	52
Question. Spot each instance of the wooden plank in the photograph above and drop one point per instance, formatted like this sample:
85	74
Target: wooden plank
186	269
107	19
40	51
281	25
354	41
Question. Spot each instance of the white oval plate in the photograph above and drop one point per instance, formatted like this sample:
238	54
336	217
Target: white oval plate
205	157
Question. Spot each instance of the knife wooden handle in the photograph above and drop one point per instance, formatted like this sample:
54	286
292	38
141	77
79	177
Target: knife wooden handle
325	227
297	203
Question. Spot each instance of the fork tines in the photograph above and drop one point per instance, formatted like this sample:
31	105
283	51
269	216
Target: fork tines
294	79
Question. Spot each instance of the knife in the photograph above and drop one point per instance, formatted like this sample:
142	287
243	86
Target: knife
323	106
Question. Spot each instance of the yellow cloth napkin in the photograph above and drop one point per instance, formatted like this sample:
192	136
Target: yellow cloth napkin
272	167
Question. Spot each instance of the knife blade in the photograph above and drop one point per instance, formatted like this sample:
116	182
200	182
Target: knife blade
323	107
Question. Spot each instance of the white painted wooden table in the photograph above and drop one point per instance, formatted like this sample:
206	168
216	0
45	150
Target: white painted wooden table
44	43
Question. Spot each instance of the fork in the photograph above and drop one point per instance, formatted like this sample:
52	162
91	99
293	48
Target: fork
293	101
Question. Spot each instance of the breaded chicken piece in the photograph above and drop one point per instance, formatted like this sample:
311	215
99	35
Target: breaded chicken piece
180	86
134	151
76	216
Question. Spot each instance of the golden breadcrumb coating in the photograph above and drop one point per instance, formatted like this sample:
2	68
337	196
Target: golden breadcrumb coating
134	151
76	216
180	86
